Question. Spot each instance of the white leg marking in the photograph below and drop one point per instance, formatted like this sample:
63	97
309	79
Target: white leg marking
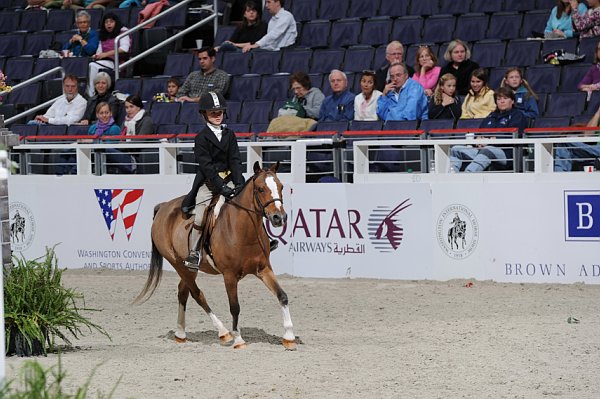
218	325
237	339
287	324
274	192
180	331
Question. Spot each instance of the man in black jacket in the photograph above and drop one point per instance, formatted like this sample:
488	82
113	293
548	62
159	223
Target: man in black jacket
394	53
219	167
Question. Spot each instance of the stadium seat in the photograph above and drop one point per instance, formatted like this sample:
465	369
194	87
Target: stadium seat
293	60
565	104
439	28
496	76
580	120
77	66
468	123
256	111
552	121
400	125
35	42
522	52
423	7
24	130
60	20
363	9
365	125
571	76
11	44
358	58
175	19
542	101
151	86
472	26
543	78
568	45
534	21
258	127
486	6
51	88
96	15
394	8
164	113
593	103
244	87
545	4
315	34
431	124
326	60
319	80
519	5
305	10
233	111
179	64
224	32
52	130
171	128
488	53
18	69
235	63
275	87
9	21
77	130
196	127
239	127
376	31
333	9
129	86
505	25
588	47
455	8
408	28
334	126
32	20
345	32
379	59
265	62
189	114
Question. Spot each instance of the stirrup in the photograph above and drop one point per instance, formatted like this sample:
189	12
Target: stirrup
193	261
273	244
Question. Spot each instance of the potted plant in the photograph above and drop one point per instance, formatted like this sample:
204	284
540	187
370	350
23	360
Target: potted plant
38	308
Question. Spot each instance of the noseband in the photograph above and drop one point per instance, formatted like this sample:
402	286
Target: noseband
261	206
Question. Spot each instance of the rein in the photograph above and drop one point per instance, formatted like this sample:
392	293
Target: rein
257	200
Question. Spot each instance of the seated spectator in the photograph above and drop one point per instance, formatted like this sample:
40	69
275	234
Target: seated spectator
394	54
307	98
587	23
110	28
68	109
459	64
444	104
78	4
365	103
137	121
339	106
44	4
403	99
426	70
479	103
102	84
566	153
281	31
480	157
591	80
171	94
208	78
106	126
84	42
252	29
560	23
525	97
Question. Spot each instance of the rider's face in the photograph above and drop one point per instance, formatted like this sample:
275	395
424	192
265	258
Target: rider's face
215	117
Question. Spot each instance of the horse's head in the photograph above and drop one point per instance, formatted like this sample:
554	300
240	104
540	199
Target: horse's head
268	194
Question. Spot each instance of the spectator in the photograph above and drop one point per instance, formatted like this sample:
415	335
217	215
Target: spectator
110	28
137	121
68	109
394	54
251	31
78	4
426	70
102	84
444	104
44	4
307	97
479	103
84	43
560	23
566	153
365	103
525	98
403	99
171	94
207	79
587	23
480	157
281	31
591	80
459	64
339	106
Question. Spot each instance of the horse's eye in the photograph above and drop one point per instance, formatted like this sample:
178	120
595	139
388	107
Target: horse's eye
261	190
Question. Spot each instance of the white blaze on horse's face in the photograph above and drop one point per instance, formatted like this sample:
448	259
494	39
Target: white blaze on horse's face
270	182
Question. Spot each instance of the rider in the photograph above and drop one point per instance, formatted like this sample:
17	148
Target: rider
219	168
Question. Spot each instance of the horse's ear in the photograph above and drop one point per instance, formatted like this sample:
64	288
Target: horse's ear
256	167
275	167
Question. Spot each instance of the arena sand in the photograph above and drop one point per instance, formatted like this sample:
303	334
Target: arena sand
360	338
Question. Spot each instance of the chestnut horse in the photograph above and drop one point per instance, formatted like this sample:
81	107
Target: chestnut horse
238	245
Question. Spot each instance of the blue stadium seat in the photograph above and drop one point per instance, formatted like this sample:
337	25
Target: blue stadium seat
456	8
33	20
60	20
244	87
305	10
376	31
565	104
18	69
164	113
52	130
239	127
365	125
580	120
224	33
11	44
522	52
358	58
496	76
258	127
394	8
175	19
326	60
345	32
505	25
171	128
400	125
571	76
24	130
129	86
235	63
9	21
51	88
319	80
432	124
265	62
96	15
423	7
472	26
179	64
534	21
335	126
519	5
552	121
569	45
408	28
542	101
233	111
151	86
77	66
256	111
275	87
35	42
189	114
488	53
77	130
379	59
333	9
315	34
363	9
294	60
487	6
468	123
588	47
545	4
543	78
196	127
439	28
593	103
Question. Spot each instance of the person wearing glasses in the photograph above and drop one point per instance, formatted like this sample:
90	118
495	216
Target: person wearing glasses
84	42
365	103
394	53
403	98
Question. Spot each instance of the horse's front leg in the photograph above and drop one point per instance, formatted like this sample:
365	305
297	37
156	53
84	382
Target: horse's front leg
183	293
231	286
268	277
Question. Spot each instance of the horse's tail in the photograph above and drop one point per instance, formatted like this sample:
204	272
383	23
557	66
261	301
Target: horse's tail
154	275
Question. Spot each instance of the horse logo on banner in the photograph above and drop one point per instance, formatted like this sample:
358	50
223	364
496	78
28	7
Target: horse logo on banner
22	226
457	231
115	202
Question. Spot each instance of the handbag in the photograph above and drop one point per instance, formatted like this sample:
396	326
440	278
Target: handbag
561	57
292	108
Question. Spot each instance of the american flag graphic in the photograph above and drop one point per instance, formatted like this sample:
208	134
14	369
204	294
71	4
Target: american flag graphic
119	201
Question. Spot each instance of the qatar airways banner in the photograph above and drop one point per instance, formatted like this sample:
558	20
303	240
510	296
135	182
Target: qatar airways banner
542	231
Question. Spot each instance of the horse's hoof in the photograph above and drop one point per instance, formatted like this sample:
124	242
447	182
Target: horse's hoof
180	340
289	345
241	345
226	339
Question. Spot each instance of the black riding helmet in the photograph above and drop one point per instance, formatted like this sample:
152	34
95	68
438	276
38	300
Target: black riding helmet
212	101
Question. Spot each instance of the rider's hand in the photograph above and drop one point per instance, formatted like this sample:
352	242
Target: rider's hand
227	192
238	189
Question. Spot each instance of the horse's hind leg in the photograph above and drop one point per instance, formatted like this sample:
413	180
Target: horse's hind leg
231	284
183	293
268	277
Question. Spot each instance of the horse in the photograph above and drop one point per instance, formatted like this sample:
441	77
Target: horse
237	245
17	228
457	231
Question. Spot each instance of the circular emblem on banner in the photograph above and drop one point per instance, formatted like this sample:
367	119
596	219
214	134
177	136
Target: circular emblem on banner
457	231
22	226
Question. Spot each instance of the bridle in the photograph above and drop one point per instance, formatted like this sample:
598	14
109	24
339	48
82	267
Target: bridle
261	206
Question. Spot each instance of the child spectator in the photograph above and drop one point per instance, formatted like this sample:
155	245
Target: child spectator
560	23
480	100
426	70
171	94
252	29
525	98
587	23
444	104
591	80
365	103
459	64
